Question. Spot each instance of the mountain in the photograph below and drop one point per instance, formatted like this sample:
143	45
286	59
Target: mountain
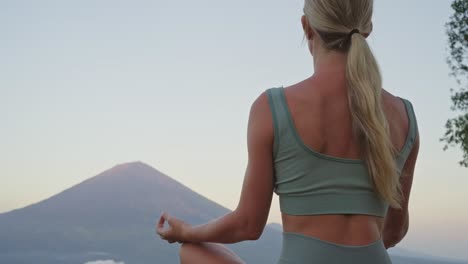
400	255
112	216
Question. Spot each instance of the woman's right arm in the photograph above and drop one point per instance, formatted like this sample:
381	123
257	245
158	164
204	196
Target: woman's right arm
397	220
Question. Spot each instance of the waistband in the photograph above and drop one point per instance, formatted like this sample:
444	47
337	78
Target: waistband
302	237
299	248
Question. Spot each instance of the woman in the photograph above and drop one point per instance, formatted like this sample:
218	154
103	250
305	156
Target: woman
338	150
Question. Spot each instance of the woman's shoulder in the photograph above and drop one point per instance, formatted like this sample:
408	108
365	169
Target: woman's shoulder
396	104
306	91
401	118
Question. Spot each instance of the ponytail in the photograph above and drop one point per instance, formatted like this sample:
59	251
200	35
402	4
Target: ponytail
342	26
369	122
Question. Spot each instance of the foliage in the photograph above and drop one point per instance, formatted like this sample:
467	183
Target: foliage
457	31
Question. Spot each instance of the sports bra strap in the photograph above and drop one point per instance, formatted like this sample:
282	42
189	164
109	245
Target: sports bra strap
412	134
280	118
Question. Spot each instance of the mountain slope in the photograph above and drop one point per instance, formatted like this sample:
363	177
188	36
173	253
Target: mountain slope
113	214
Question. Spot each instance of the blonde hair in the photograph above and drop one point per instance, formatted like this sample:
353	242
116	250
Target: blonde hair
335	21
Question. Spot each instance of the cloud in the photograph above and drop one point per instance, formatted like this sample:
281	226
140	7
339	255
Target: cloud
109	261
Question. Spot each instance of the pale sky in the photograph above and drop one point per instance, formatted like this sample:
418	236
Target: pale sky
85	85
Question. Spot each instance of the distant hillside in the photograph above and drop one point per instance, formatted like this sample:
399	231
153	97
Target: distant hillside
113	216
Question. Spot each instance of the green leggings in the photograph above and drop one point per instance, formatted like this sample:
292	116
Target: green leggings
303	249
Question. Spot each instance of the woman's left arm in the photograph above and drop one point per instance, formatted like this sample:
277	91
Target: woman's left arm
248	220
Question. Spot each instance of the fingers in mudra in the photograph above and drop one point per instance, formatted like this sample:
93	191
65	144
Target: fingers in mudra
160	227
173	233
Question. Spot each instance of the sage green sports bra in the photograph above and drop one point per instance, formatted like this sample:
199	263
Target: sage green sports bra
312	183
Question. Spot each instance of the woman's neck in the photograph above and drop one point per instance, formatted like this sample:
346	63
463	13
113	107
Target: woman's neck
327	62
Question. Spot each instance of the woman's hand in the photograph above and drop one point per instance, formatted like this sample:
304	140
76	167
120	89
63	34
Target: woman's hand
176	231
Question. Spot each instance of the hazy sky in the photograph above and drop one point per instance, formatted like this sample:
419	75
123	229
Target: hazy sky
85	85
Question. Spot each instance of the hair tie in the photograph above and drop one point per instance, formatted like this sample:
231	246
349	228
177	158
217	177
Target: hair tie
352	32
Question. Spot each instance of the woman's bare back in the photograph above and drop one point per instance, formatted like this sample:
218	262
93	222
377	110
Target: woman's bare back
319	109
